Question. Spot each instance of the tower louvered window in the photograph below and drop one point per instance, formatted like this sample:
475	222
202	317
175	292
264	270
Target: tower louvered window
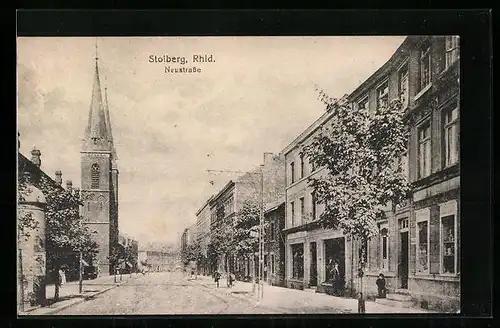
95	176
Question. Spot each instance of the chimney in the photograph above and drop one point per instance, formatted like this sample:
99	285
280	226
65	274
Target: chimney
35	157
58	177
69	185
268	157
77	192
27	176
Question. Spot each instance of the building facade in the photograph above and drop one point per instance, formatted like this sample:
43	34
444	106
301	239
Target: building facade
203	236
262	185
274	243
99	174
418	245
418	248
158	257
309	249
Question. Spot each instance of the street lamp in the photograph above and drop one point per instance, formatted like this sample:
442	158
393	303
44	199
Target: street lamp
260	293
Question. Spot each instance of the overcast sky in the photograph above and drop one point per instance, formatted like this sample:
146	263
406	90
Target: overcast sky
169	129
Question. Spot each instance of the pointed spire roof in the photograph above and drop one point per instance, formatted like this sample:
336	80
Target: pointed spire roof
108	123
98	136
96	125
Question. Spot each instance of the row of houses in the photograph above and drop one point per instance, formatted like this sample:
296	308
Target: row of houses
418	248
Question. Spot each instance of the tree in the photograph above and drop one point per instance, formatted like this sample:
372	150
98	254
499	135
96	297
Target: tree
220	242
360	151
67	234
26	223
190	253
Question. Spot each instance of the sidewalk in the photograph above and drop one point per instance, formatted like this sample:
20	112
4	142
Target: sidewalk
285	300
69	293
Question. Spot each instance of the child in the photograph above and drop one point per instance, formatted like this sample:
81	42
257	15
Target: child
381	286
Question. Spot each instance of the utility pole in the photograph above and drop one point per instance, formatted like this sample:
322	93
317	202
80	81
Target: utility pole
80	281
260	285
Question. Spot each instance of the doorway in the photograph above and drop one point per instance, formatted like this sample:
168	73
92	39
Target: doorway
313	270
403	264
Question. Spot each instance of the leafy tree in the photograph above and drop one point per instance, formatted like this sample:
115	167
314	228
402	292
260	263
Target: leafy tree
190	253
220	242
66	232
26	223
360	151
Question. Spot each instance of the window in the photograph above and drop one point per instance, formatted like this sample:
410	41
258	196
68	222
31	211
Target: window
313	166
451	50
424	149
292	213
383	95
272	233
298	261
423	241
384	245
302	167
425	66
404	95
94	173
313	205
364	103
451	136
302	209
448	233
292	171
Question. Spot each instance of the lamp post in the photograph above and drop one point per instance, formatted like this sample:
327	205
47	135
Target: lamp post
260	285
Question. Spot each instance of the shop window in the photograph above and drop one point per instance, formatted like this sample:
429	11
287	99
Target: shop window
298	261
422	234
448	237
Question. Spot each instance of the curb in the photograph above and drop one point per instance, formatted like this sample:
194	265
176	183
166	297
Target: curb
50	311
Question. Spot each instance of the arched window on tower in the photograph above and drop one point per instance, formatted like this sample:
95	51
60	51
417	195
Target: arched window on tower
95	176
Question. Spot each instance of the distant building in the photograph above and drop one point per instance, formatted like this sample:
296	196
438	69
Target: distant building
159	257
262	185
203	236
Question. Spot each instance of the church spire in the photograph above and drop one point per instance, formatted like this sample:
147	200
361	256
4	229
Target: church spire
108	120
97	132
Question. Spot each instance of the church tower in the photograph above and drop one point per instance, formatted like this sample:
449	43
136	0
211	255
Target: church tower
100	176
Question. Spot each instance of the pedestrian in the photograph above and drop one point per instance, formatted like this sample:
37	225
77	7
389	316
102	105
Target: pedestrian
62	277
381	286
192	273
335	277
217	277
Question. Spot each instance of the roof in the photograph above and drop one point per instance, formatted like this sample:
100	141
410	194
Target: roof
98	136
220	193
269	207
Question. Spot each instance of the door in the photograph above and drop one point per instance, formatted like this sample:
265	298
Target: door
403	264
313	279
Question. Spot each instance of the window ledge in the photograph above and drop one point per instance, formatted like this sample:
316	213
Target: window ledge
422	92
438	277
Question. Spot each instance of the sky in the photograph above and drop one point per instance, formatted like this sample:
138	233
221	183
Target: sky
169	129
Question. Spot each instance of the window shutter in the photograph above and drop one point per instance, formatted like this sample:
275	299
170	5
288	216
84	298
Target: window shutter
434	241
